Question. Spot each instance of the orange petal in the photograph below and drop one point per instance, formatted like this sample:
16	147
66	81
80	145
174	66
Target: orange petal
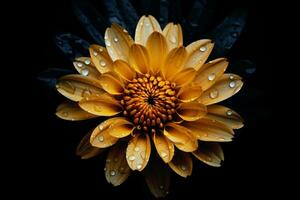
173	34
198	53
100	58
181	137
225	115
76	87
71	111
101	137
103	105
182	164
210	153
138	152
164	147
158	50
174	62
209	130
189	93
145	27
116	167
86	70
111	84
225	87
191	111
118	42
210	73
160	182
139	58
184	77
85	150
123	69
121	127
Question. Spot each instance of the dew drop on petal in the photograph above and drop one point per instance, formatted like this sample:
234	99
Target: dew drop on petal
101	138
229	112
232	84
213	94
100	49
139	166
87	61
85	72
107	43
202	49
116	39
95	53
65	114
211	77
79	64
136	149
231	77
102	63
112	172
183	167
161	187
131	158
125	31
104	168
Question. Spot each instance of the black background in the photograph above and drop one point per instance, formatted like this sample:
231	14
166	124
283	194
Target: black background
47	160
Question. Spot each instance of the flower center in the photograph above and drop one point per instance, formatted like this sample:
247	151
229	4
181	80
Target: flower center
149	102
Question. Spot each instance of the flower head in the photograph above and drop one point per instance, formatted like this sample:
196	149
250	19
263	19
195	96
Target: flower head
151	88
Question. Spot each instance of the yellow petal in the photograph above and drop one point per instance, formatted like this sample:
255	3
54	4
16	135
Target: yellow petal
173	34
139	58
191	111
111	84
164	147
103	105
145	27
225	115
86	70
71	111
160	182
184	77
85	150
76	87
210	153
116	167
100	137
138	152
209	130
181	137
121	127
225	87
211	73
182	164
100	58
123	69
198	53
117	42
189	93
158	50
174	62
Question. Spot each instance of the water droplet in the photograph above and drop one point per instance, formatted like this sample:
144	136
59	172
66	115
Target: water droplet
95	53
116	39
104	168
125	31
232	84
234	35
100	49
229	112
231	77
102	63
202	49
105	37
139	166
131	158
65	114
163	154
85	72
136	149
87	61
172	39
183	167
101	138
112	173
211	77
161	187
79	64
213	94
107	43
100	127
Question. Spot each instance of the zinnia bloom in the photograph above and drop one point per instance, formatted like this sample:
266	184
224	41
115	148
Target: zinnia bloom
159	99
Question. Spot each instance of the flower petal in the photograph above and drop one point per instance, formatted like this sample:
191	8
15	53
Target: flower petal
71	111
139	58
189	93
123	69
184	77
173	34
164	147
225	115
159	183
209	130
111	84
138	152
76	87
116	167
117	42
181	137
210	153
182	164
121	127
86	60
225	87
158	50
145	27
86	70
174	62
198	53
191	111
100	137
103	105
85	150
100	58
210	73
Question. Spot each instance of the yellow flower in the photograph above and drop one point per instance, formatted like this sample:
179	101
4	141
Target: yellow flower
151	88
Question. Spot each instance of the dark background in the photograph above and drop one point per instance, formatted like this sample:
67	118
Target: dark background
47	160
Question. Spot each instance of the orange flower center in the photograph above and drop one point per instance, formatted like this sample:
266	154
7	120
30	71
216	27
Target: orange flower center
149	102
